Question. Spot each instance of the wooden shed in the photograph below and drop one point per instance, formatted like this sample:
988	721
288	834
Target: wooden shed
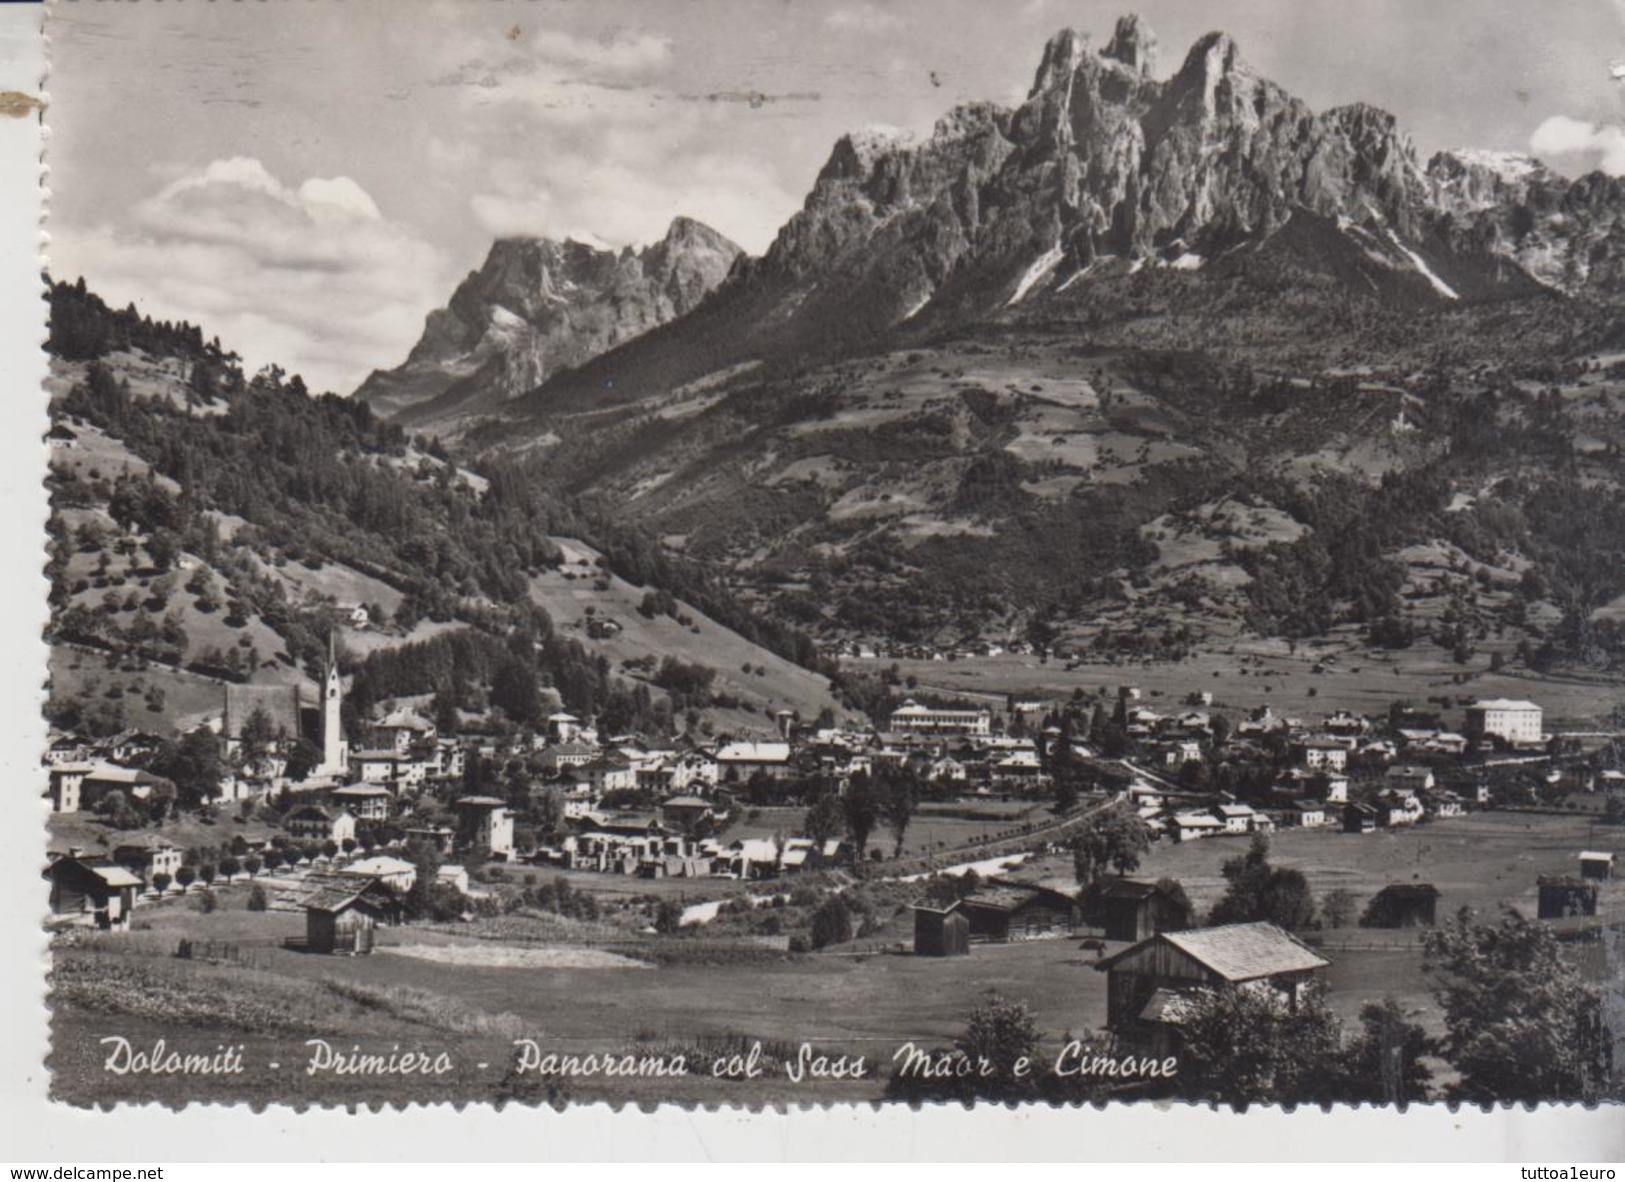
941	931
1129	910
1564	896
1018	911
1149	985
1596	864
342	919
91	891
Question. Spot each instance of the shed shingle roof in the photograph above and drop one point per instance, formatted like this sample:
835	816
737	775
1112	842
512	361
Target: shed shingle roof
1247	951
1236	952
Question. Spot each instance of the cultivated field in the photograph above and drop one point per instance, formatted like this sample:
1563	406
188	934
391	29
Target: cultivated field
1270	673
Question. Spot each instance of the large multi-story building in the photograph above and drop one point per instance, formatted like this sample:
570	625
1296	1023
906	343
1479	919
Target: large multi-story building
1511	720
911	718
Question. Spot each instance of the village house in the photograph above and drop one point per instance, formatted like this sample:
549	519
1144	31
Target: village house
485	826
91	892
404	771
401	730
1305	814
1191	826
1408	778
313	822
684	813
738	762
148	856
1511	721
609	772
395	873
568	754
563	727
1236	818
1359	817
365	802
693	772
1150	985
1010	911
79	786
1321	754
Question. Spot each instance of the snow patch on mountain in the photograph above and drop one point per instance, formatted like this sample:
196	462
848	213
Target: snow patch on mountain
1041	267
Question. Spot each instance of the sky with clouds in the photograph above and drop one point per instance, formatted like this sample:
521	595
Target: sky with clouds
308	181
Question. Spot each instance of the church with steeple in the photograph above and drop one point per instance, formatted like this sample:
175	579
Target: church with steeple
335	751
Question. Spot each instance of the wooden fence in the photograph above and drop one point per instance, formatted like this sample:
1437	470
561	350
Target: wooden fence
224	952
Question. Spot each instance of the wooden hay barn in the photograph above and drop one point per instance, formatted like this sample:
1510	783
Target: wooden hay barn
1563	896
342	918
1150	985
1596	864
1129	910
1017	911
941	932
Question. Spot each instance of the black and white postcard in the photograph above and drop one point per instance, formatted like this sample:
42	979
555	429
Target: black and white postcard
732	554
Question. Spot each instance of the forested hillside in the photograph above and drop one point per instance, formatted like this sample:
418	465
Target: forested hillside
215	523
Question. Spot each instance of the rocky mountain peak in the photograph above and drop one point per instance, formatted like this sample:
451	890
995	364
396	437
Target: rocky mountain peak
1134	44
538	304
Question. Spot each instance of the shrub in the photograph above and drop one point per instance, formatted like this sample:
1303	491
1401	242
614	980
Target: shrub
257	899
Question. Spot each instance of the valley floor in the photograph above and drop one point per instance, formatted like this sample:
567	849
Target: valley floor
449	989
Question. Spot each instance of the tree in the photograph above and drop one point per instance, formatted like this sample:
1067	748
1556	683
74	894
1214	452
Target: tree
1522	1024
425	861
899	796
1001	1034
257	898
252	864
861	807
230	867
206	872
186	876
193	764
1338	908
668	917
1114	838
825	819
1247	1044
831	923
1383	1065
1260	892
161	881
1175	891
302	759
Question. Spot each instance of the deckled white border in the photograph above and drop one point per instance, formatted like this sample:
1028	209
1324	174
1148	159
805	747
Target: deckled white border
38	1132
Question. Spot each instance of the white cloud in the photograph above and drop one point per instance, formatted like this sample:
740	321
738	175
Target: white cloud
1563	136
626	188
863	18
311	277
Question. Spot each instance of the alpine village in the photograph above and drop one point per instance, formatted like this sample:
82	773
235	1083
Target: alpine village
1125	598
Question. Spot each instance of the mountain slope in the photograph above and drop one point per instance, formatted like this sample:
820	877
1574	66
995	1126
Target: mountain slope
1104	168
977	375
537	306
208	528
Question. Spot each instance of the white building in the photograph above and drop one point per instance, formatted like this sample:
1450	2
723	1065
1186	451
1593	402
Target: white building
1511	720
914	719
